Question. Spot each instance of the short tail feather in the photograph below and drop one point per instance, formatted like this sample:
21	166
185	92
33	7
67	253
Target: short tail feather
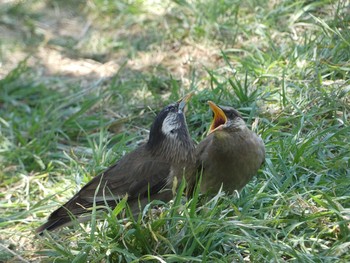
64	216
53	224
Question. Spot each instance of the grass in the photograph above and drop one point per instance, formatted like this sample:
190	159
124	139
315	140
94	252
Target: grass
284	62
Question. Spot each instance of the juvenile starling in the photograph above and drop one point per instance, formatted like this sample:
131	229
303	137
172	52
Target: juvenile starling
148	171
230	155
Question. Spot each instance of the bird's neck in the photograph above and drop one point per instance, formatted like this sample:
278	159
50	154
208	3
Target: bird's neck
239	124
174	151
236	129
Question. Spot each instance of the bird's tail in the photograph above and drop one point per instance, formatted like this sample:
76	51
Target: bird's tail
52	224
75	209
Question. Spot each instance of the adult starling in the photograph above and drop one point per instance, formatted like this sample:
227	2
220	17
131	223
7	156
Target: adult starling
230	155
145	174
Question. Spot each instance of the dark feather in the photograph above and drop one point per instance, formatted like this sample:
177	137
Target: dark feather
143	174
148	178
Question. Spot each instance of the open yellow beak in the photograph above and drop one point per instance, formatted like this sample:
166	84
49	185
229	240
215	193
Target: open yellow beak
219	117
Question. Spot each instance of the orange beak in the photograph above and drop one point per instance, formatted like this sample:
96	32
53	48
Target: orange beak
219	117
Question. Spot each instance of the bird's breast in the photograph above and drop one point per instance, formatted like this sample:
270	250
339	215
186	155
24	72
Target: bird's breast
232	159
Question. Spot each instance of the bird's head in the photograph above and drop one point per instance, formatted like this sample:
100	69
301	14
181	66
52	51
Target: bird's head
225	118
169	134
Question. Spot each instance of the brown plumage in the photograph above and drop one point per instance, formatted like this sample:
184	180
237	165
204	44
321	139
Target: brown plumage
147	171
230	155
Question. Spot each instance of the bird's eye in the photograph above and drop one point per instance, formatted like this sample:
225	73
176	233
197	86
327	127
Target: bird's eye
172	131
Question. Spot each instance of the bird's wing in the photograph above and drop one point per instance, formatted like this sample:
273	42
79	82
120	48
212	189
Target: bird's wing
130	175
201	157
202	149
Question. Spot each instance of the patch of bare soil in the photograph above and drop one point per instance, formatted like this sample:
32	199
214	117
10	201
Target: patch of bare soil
59	33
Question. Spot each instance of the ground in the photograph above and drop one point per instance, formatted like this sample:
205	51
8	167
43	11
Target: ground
80	83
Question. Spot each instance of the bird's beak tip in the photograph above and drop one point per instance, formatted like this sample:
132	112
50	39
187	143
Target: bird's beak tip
183	101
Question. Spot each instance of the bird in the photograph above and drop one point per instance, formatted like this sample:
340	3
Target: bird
229	156
147	173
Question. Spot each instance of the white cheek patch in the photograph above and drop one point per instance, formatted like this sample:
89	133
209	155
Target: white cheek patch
170	123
